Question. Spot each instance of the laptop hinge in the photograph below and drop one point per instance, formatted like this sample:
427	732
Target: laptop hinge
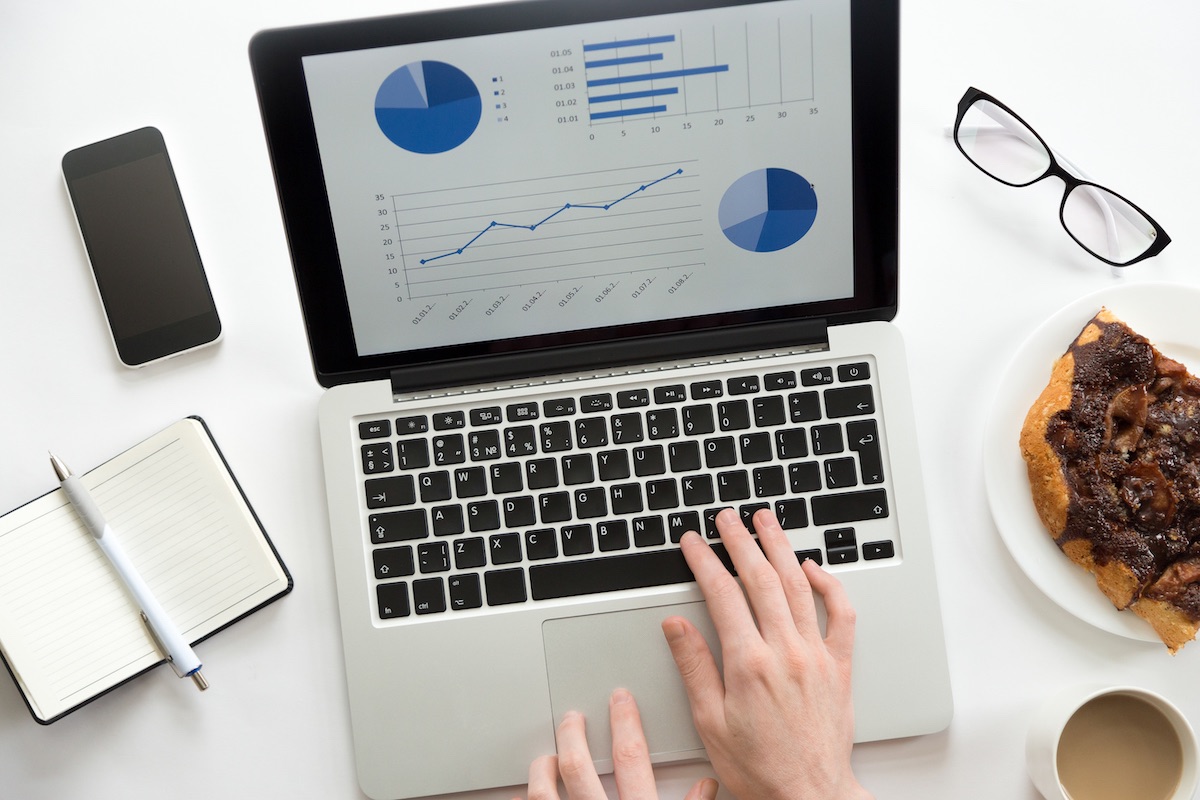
607	359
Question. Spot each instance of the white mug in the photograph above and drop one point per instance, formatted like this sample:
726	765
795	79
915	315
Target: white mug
1111	743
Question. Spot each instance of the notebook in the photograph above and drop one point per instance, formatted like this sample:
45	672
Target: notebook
577	276
69	629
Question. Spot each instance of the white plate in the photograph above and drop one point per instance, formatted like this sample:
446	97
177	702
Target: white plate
1169	316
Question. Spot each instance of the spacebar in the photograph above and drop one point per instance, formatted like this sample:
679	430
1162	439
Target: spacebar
609	574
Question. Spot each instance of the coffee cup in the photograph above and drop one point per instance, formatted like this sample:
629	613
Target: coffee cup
1111	743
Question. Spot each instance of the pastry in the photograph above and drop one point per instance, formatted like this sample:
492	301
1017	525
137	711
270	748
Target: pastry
1112	447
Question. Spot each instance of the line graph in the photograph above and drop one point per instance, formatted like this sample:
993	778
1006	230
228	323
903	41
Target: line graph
565	207
531	230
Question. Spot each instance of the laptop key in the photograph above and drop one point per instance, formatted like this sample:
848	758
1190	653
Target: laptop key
398	526
562	407
447	450
835	509
662	423
680	523
377	429
392	599
577	468
860	371
648	532
429	596
849	401
470	553
863	436
670	394
393	562
634	398
470	482
433	556
613	464
555	436
465	592
398	490
733	415
409	426
608	574
505	586
449	420
435	486
505	548
577	540
684	456
377	458
541	544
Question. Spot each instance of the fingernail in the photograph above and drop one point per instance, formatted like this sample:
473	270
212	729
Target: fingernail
673	629
728	516
709	790
620	696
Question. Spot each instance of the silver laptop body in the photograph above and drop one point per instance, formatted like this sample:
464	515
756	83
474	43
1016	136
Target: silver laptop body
578	276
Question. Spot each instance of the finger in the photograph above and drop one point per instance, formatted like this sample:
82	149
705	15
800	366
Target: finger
796	586
726	603
698	669
575	760
631	754
764	587
543	779
840	614
703	790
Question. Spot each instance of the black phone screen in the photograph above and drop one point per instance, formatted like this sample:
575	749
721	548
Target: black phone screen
140	244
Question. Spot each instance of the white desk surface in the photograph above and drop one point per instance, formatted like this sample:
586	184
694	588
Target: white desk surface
1112	84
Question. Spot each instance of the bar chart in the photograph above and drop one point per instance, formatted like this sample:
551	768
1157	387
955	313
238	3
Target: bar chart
700	70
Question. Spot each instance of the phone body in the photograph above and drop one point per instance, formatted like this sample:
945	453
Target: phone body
140	245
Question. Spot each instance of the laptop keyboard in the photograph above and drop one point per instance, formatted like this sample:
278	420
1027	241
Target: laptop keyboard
483	506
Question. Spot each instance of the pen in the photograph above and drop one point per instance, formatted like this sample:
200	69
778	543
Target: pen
168	638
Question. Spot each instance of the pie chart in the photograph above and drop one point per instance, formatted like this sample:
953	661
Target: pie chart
767	210
427	107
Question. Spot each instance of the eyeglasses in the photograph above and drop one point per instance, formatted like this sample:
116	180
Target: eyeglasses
1104	223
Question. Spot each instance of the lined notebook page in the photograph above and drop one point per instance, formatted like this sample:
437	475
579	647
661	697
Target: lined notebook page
68	627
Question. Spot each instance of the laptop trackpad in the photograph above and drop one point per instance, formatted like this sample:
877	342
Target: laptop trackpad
588	657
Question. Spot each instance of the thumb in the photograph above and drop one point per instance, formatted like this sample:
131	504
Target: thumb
695	663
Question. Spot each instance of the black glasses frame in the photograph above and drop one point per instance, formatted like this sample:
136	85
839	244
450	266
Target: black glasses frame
1055	169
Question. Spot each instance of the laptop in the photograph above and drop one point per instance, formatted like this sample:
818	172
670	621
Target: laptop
577	276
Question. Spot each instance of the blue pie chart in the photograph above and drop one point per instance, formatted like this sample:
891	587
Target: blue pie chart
767	210
428	107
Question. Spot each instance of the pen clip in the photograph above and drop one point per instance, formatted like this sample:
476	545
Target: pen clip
158	644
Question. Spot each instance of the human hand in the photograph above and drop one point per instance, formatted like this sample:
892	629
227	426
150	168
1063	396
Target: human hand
781	724
631	760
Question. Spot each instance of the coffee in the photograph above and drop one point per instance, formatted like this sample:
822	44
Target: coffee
1119	747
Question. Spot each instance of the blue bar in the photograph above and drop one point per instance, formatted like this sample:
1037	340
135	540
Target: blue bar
610	98
629	112
616	62
587	48
649	76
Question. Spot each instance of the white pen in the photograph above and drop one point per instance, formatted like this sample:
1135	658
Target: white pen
170	641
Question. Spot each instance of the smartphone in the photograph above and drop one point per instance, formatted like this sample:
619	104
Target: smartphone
141	248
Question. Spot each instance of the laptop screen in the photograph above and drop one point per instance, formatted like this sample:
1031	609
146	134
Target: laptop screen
537	175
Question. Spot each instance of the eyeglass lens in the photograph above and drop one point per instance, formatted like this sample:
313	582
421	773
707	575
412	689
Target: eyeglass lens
1008	150
1001	145
1106	224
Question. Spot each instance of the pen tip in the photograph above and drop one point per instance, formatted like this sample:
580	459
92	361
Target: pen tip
199	680
60	469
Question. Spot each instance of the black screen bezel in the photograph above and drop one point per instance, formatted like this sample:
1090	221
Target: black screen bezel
276	60
181	334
